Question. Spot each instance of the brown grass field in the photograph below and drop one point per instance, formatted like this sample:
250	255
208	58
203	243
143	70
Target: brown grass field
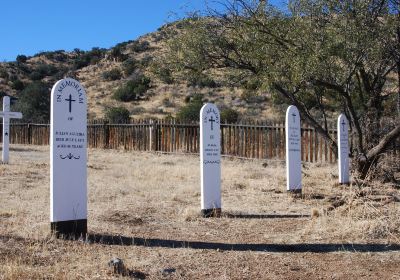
144	208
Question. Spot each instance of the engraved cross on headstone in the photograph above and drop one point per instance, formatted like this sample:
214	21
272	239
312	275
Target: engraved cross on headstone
7	115
212	122
343	124
70	100
294	117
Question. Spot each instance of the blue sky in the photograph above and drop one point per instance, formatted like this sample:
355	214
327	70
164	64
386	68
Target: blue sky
31	26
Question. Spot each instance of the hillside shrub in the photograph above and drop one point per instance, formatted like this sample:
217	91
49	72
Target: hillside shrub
4	74
200	80
129	66
117	115
21	58
117	54
42	71
17	85
133	89
112	75
191	111
164	74
229	115
137	46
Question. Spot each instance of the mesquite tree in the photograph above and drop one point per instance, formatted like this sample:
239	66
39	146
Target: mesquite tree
317	54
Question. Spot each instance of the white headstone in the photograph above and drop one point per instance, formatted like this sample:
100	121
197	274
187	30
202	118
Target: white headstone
7	115
343	147
293	149
68	157
210	160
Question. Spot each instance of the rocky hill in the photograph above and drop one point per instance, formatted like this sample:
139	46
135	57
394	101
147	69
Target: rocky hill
157	93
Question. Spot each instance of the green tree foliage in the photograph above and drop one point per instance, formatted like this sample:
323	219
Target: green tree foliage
117	115
315	54
191	111
34	102
133	89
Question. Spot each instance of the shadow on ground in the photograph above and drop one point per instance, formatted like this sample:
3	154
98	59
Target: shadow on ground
277	248
273	248
264	216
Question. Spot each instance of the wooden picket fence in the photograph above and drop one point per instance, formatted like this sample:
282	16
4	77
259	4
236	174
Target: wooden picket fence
263	140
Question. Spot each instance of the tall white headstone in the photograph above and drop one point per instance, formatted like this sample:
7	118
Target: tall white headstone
68	157
210	160
343	147
7	115
293	149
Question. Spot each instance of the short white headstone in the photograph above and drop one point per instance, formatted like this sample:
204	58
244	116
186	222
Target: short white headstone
210	160
7	115
293	149
343	147
68	157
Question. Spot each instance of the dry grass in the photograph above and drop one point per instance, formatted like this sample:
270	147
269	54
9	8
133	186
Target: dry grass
155	199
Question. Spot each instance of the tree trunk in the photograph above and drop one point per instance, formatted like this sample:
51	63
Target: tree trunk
364	162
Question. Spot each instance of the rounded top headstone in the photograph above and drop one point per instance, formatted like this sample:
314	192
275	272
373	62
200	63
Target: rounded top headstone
292	115
343	123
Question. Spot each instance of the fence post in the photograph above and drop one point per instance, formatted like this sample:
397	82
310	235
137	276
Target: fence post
106	130
154	135
29	134
151	138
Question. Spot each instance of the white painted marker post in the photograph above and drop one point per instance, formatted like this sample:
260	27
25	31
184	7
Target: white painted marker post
343	147
7	115
293	150
68	174
210	160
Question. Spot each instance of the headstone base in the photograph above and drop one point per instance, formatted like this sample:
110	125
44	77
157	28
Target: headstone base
295	191
207	213
73	229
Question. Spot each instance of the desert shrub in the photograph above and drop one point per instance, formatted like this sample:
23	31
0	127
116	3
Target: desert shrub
116	53
137	46
34	102
4	74
90	57
36	76
145	61
229	115
112	75
21	58
117	115
133	89
42	71
164	74
191	111
129	66
17	85
200	80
